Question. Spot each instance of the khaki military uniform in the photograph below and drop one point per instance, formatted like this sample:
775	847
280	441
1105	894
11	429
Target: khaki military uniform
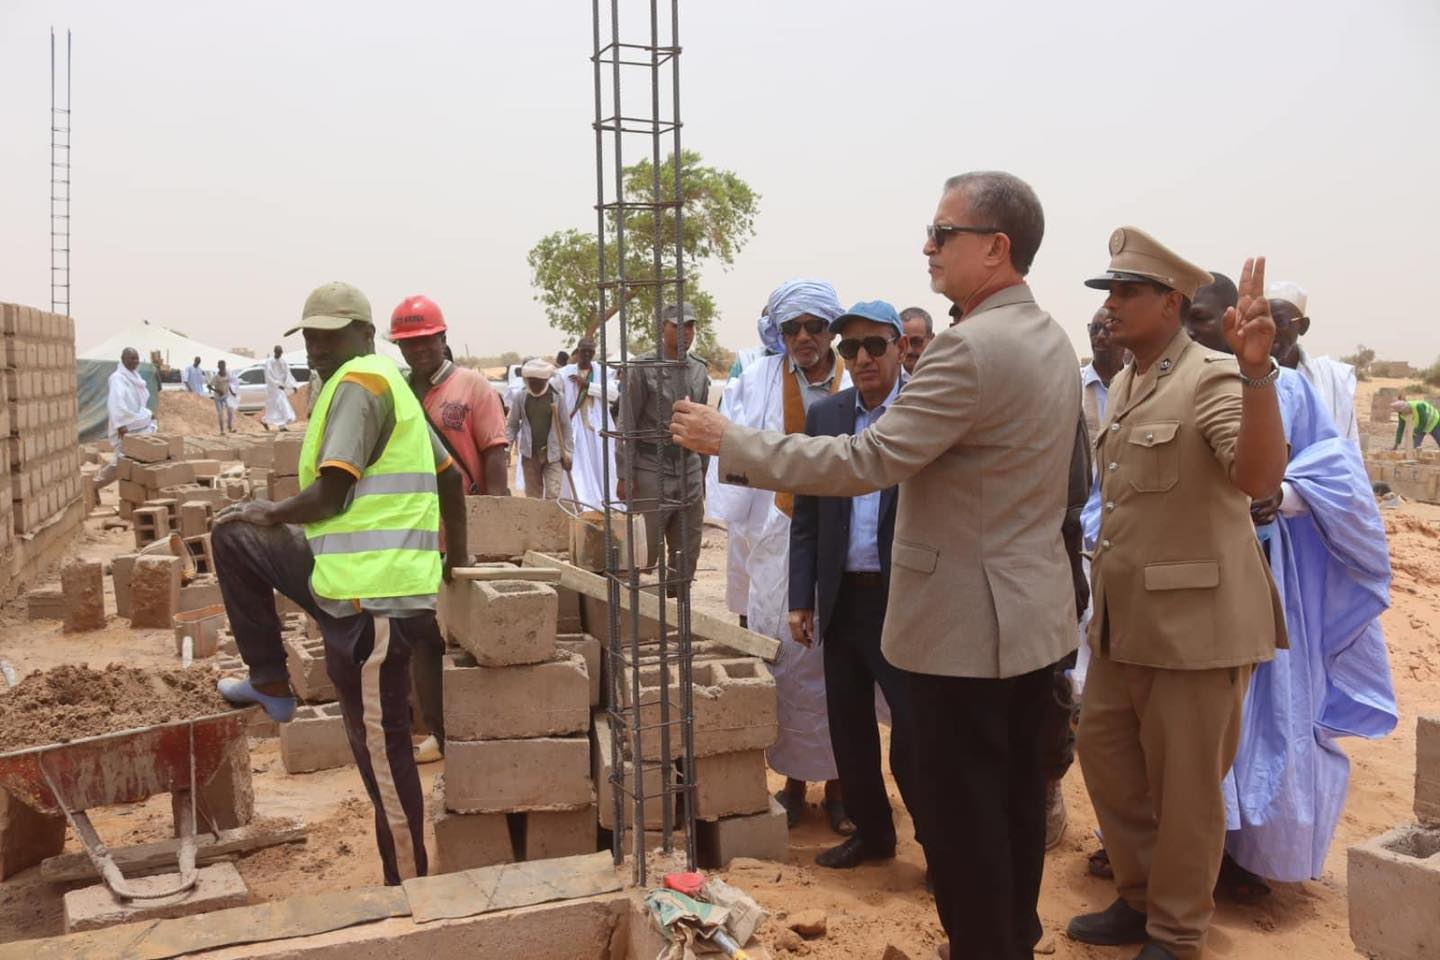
664	472
1184	607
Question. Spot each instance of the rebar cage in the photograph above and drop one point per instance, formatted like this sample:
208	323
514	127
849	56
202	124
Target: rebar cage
637	118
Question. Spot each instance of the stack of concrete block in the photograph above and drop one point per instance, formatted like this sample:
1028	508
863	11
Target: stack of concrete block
154	590
39	435
735	720
1417	478
1394	879
284	478
517	719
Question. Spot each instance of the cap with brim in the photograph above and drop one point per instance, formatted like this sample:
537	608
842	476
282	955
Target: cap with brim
1137	257
672	315
876	311
333	307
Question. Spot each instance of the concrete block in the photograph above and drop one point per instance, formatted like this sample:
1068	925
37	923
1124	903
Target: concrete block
146	448
283	488
206	468
762	836
503	622
258	453
170	473
588	647
315	740
511	703
1394	885
734	701
464	841
45	603
132	491
568	618
491	776
503	527
93	907
202	592
602	768
83	584
155	591
228	798
730	784
196	516
202	625
305	660
1427	771
27	836
120	569
286	457
560	833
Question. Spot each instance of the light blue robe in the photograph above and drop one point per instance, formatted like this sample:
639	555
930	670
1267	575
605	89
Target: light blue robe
1331	565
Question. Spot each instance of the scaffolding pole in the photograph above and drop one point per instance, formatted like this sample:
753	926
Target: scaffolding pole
651	709
59	183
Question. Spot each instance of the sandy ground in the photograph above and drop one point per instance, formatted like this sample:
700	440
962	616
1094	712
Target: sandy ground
867	908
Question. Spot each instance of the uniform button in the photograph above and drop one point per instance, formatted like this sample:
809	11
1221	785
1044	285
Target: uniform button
1113	467
1114	428
1149	438
1110	505
1105	544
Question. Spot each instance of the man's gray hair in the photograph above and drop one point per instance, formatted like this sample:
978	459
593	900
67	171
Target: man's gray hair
1005	202
918	313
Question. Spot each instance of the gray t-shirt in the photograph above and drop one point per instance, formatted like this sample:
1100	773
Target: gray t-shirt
359	425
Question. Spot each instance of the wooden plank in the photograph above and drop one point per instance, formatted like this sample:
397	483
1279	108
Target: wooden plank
702	625
160	857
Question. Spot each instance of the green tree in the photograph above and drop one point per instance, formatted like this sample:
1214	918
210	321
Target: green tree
1361	360
719	212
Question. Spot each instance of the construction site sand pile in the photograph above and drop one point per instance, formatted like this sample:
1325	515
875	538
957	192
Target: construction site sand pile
188	414
72	701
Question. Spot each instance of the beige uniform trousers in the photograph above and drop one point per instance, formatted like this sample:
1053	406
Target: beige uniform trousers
542	478
1155	746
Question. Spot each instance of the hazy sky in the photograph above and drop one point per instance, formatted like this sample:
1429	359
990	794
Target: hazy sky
230	157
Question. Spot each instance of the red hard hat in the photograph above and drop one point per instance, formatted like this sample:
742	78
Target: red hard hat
416	316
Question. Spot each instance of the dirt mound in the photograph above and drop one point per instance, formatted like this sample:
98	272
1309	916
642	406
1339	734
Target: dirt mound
72	701
183	412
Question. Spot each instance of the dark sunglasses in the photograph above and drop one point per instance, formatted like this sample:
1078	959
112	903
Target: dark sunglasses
875	346
814	326
938	233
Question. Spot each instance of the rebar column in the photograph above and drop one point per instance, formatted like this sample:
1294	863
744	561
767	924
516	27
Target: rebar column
639	231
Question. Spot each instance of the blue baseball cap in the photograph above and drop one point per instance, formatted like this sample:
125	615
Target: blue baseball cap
876	310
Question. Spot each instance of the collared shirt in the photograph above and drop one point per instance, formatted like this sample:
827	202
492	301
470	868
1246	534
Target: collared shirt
810	392
465	409
862	555
1090	382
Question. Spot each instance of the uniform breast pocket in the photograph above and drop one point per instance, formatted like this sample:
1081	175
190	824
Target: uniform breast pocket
914	556
1154	456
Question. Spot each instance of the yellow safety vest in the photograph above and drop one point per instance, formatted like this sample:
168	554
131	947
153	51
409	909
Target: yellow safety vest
386	543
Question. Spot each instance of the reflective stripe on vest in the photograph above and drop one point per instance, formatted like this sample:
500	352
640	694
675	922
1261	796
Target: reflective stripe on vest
386	541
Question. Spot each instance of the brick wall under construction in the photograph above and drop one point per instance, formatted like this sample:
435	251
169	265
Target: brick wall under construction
39	435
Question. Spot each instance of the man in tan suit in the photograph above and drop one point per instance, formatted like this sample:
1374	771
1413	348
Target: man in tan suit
1184	605
980	442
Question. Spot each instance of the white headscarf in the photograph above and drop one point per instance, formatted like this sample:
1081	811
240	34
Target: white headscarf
795	297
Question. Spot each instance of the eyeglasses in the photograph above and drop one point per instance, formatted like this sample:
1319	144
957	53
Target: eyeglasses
875	346
938	233
917	342
813	326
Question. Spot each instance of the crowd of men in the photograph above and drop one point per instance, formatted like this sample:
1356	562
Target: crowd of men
965	534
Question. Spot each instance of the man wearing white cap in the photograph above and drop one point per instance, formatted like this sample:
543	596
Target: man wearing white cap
539	422
1334	380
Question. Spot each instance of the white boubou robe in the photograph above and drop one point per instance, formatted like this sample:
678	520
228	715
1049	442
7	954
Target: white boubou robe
589	416
278	382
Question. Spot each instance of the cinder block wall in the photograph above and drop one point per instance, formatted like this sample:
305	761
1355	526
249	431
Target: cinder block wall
39	436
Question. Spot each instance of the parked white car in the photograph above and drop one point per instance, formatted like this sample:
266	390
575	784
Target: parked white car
252	384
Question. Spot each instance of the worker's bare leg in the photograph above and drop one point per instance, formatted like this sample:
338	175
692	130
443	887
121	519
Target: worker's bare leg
252	562
427	669
368	659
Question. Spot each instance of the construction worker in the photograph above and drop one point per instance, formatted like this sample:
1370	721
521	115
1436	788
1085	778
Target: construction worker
1423	418
358	549
539	426
464	410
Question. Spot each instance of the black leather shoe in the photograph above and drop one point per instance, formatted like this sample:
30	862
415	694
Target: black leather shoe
850	854
1153	951
1117	924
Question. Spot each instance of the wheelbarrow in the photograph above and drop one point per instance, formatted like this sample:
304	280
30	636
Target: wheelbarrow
126	767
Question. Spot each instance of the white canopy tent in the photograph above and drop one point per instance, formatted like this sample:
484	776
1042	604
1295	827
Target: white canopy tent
176	349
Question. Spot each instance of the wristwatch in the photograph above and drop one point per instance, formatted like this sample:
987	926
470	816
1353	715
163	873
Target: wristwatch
1259	383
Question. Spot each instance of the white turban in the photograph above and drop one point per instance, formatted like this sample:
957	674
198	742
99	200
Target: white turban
1291	293
795	297
538	369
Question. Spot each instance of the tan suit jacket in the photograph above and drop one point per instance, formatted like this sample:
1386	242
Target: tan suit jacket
980	442
1179	578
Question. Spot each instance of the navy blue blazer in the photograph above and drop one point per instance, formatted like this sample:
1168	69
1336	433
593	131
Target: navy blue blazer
820	526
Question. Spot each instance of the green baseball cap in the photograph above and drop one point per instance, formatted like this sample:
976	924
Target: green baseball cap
331	307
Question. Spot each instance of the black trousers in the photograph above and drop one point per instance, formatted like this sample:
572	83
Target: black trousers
367	657
853	666
981	750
